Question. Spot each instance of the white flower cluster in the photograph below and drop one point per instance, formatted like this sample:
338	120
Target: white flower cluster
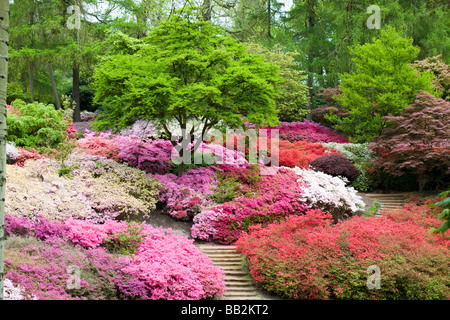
323	189
12	293
12	153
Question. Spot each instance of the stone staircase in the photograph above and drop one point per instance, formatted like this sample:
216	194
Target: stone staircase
238	281
388	200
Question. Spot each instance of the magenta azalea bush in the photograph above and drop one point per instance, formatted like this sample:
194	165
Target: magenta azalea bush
308	131
164	265
275	197
187	195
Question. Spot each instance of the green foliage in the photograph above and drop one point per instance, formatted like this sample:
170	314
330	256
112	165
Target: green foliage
15	91
227	188
38	126
443	205
371	211
186	70
126	241
383	82
293	101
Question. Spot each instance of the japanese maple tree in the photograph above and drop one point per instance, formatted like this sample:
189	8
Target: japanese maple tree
417	141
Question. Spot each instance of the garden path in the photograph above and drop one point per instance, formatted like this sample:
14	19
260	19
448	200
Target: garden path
239	283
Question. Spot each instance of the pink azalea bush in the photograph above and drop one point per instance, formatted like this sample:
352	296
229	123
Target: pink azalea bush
187	195
164	266
308	131
274	198
151	156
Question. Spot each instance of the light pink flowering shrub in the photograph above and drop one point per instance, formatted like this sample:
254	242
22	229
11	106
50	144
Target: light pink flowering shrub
170	265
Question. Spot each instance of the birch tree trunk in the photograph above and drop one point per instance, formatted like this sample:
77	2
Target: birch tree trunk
55	91
4	35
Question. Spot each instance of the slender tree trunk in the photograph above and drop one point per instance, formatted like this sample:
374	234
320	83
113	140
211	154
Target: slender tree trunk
55	92
76	92
32	80
269	19
4	38
206	8
309	83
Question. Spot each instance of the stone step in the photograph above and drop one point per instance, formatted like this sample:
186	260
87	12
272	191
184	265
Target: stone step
240	293
235	284
225	259
216	247
240	278
243	298
231	268
222	254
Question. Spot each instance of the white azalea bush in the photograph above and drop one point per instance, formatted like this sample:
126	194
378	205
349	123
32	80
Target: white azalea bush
12	153
323	191
10	292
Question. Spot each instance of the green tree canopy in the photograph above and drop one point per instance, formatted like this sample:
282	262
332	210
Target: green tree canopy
383	82
186	70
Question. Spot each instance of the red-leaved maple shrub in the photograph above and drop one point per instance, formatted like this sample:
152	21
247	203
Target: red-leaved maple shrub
335	165
417	142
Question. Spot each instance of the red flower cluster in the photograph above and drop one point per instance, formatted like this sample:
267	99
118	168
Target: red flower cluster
306	257
300	153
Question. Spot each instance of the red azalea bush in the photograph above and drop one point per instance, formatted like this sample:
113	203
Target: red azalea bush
300	153
306	257
24	155
335	165
99	147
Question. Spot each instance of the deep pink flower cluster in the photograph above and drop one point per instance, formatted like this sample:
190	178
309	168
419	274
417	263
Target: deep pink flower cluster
187	195
307	131
39	228
275	197
165	265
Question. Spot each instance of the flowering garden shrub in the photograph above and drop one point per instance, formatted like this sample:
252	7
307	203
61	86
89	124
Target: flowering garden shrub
24	155
12	153
300	153
273	198
98	146
37	189
163	266
308	131
335	165
149	156
323	191
187	195
306	257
